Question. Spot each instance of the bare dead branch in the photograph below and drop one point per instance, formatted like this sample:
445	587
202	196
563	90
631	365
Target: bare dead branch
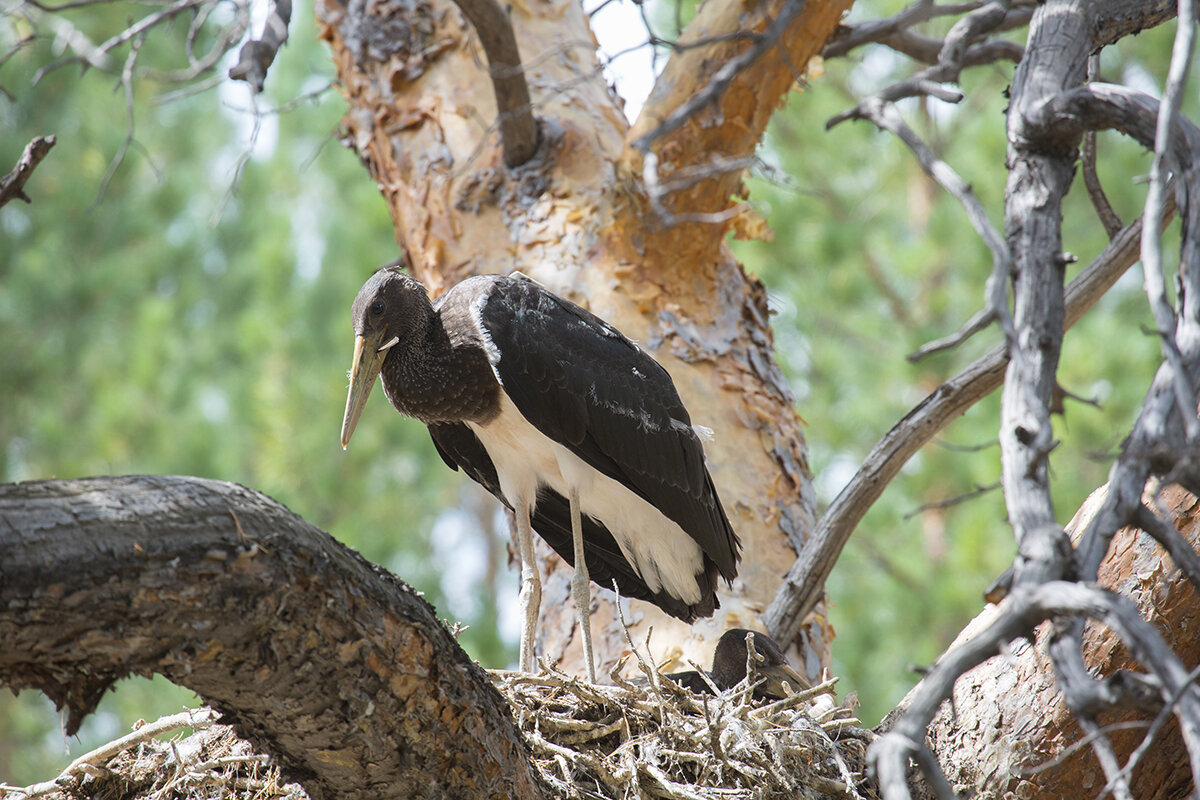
514	110
978	321
1126	772
127	87
949	502
1136	114
1039	179
1108	217
849	37
979	22
926	49
1152	268
257	55
12	185
1102	746
805	581
885	116
260	613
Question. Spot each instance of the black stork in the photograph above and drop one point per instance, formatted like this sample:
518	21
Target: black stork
567	422
777	677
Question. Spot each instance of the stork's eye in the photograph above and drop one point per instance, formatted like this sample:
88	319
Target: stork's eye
377	307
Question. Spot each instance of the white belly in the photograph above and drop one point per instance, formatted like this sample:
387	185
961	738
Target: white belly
664	556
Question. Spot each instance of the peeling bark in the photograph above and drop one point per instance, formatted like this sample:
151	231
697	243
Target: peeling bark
313	654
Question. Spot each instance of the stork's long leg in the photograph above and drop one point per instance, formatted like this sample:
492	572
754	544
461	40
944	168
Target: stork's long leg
531	587
581	587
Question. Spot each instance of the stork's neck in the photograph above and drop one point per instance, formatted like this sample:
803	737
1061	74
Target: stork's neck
437	379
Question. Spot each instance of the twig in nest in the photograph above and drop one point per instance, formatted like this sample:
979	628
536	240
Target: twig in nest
197	718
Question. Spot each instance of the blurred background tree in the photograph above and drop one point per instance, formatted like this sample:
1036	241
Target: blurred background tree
174	313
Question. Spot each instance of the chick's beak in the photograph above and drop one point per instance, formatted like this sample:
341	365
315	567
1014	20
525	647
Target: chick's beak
780	680
368	360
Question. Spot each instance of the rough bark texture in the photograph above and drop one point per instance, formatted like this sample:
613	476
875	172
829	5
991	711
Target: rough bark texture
312	653
1008	717
577	217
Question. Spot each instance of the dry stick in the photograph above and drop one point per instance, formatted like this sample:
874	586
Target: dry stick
138	29
195	718
1106	754
925	49
127	141
1083	696
514	110
1108	217
1140	751
877	30
885	116
1152	268
805	581
12	185
987	18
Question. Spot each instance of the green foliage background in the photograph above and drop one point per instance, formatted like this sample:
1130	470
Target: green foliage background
191	317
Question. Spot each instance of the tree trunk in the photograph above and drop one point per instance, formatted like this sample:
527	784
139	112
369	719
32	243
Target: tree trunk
1008	724
580	218
312	653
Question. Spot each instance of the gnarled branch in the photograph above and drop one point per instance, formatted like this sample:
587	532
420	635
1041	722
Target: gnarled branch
312	653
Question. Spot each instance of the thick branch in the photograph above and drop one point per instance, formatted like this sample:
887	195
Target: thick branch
312	653
518	129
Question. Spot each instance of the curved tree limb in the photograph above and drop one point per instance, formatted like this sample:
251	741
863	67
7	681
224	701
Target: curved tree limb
313	654
514	110
805	581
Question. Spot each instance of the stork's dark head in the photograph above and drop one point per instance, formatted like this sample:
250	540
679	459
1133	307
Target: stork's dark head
729	664
391	314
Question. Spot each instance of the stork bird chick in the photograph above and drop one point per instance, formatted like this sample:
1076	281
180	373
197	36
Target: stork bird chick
776	678
565	420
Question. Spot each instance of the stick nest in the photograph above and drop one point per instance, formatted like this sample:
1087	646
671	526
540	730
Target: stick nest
628	740
655	739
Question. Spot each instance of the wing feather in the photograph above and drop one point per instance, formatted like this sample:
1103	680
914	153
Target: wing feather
583	384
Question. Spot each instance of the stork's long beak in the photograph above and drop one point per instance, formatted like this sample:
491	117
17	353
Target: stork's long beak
776	676
368	360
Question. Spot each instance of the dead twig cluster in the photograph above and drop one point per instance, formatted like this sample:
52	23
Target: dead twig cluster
210	761
653	738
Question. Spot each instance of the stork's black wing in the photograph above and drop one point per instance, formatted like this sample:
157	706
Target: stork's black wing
459	447
586	386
